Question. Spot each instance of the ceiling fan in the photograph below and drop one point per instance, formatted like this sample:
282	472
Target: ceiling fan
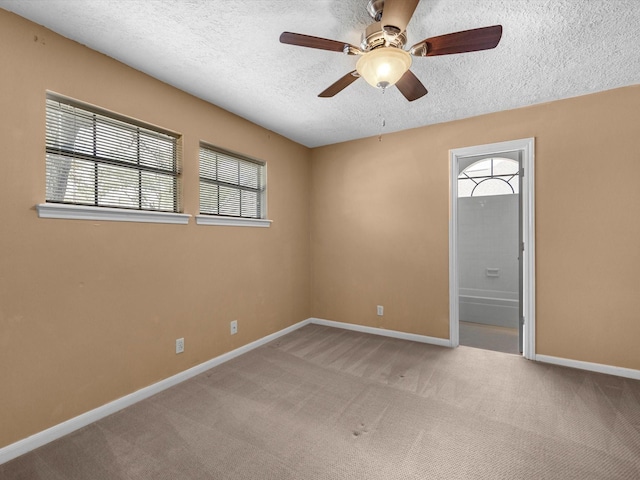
383	60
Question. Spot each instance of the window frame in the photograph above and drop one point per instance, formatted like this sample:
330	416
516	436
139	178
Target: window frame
463	176
227	220
87	211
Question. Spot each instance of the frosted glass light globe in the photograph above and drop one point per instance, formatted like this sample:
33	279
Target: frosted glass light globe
383	66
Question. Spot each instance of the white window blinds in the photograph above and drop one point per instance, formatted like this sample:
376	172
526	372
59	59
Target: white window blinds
95	159
231	185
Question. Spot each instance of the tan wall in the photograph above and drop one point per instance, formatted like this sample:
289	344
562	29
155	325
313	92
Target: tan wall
89	311
380	224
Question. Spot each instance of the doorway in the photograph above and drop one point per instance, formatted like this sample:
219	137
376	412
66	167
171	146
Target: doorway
491	247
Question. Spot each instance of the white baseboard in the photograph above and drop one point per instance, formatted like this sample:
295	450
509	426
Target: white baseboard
443	342
57	431
592	367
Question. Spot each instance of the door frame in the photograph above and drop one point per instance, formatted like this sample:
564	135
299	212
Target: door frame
526	147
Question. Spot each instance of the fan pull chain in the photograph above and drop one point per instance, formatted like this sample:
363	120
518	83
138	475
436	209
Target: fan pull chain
383	122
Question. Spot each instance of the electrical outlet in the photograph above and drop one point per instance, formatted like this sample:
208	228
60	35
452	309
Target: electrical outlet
234	327
380	310
179	345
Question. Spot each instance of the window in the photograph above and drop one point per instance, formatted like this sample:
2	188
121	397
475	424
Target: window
96	159
231	185
491	176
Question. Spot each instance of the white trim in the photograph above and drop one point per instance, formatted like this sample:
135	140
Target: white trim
39	439
529	238
526	146
592	367
86	212
454	284
443	342
232	221
57	431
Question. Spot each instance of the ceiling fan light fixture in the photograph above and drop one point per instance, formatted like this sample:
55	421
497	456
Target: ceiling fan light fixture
383	66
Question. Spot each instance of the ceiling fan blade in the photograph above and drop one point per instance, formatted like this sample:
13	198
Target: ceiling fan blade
460	42
340	85
396	15
315	42
411	87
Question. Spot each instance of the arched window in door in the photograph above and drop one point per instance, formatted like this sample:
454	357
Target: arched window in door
489	176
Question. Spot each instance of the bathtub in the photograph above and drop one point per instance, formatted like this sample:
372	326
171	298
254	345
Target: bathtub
490	307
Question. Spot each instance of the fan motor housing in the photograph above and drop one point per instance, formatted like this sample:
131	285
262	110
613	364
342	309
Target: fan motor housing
375	36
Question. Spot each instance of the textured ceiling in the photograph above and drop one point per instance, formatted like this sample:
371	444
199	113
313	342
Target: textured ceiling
227	52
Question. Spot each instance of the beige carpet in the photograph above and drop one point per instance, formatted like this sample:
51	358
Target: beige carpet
323	403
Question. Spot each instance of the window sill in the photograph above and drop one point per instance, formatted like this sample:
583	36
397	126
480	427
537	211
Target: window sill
85	212
232	221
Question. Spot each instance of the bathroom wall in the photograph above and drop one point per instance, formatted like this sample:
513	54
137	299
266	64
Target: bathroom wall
488	259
